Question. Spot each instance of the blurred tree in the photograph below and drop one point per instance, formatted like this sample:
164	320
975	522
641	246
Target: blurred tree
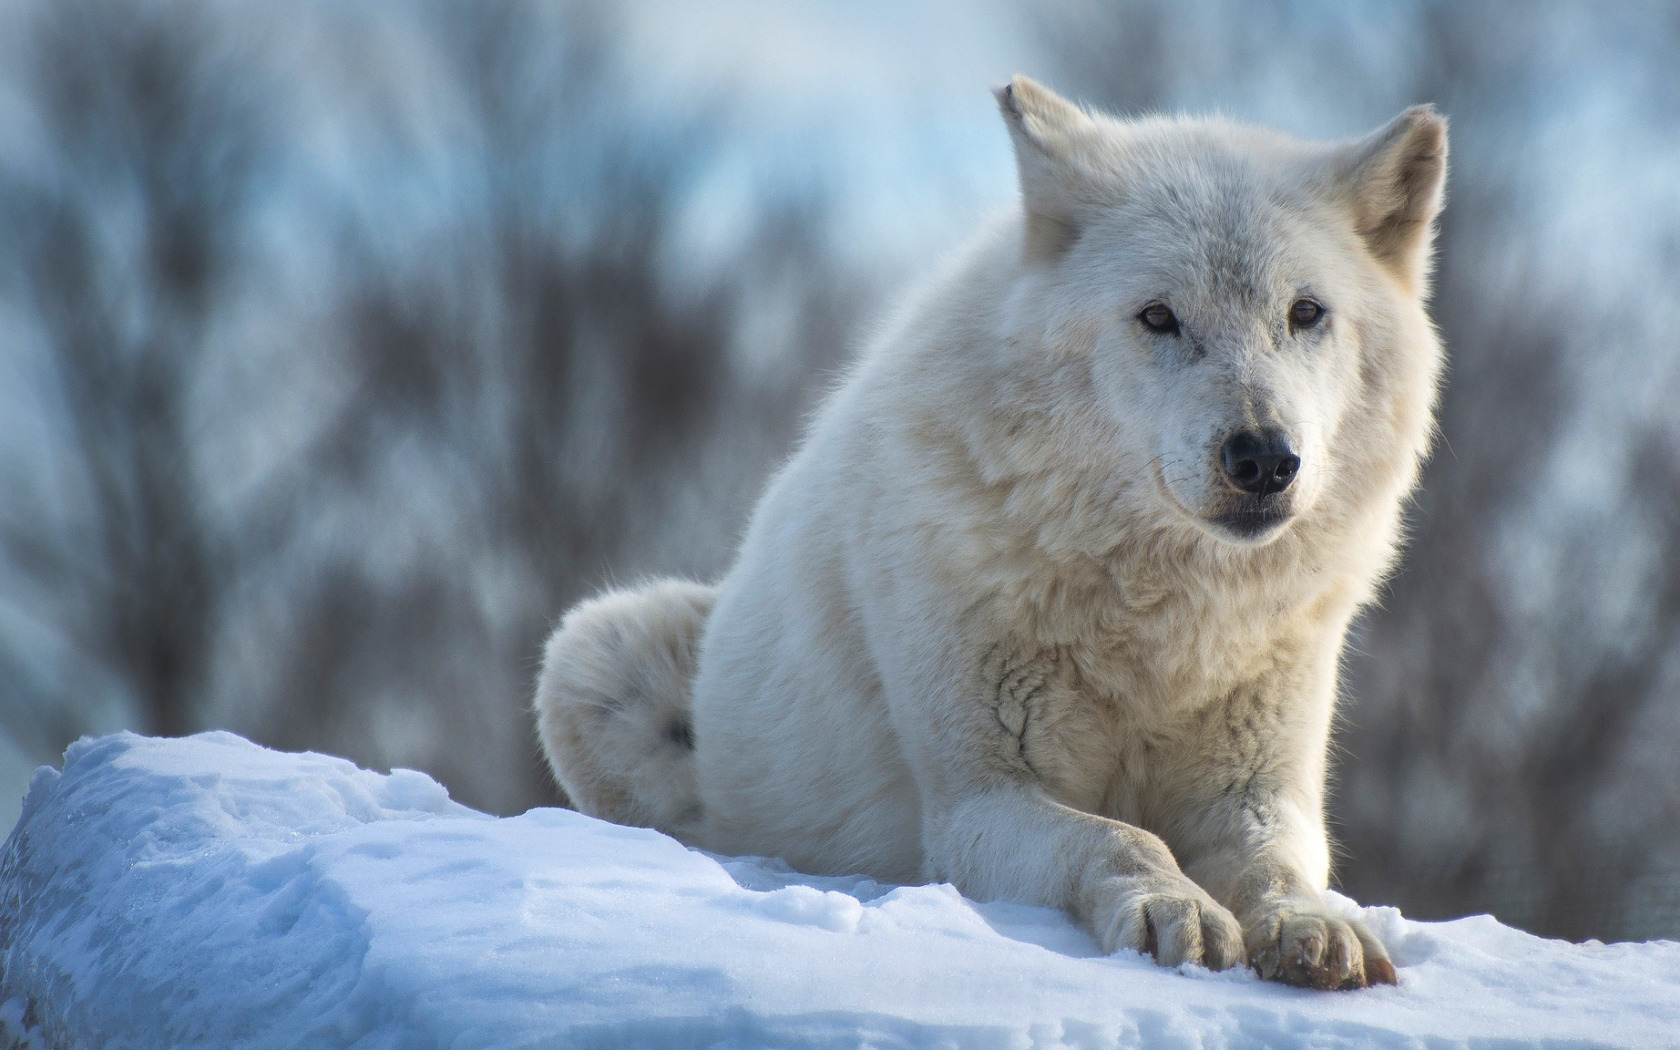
441	445
123	239
533	391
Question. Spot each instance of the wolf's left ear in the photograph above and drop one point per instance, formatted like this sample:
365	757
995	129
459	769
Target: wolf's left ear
1395	178
1053	140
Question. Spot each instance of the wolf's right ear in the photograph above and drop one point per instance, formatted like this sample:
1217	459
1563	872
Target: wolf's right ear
1052	137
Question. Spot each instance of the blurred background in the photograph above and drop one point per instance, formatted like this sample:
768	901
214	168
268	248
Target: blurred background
344	344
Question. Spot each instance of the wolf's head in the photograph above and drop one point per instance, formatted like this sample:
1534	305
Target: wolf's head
1238	293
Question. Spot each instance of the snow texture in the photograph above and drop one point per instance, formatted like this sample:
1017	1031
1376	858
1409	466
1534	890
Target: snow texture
209	893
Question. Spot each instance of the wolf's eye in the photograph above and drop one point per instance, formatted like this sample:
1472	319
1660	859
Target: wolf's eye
1305	313
1157	317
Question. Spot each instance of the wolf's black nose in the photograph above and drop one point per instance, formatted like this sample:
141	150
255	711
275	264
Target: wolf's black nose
1260	461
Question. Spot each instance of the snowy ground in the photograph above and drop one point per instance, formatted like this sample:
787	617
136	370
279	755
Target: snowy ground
209	893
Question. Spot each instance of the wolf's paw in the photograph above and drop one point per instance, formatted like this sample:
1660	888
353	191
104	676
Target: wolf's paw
1172	919
1311	949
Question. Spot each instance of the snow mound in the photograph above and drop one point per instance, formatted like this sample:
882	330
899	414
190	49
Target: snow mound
209	893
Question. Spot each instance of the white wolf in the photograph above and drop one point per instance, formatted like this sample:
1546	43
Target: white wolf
1050	602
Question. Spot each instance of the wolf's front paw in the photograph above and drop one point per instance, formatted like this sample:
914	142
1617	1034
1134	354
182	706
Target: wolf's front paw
1169	917
1310	949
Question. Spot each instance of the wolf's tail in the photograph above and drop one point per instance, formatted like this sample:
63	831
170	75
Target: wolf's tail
613	704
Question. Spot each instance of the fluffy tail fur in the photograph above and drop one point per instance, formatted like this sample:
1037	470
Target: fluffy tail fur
613	704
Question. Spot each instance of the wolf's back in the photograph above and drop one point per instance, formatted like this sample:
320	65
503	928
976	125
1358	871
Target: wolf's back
613	704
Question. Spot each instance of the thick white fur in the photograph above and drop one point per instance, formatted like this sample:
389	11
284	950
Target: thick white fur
987	627
621	740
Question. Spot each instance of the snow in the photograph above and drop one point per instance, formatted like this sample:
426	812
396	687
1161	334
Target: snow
206	892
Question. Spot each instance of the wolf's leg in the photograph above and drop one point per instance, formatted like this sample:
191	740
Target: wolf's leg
991	828
1293	937
1012	843
1289	932
1254	834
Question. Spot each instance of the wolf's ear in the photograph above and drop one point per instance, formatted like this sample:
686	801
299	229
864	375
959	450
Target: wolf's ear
1051	137
1395	177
